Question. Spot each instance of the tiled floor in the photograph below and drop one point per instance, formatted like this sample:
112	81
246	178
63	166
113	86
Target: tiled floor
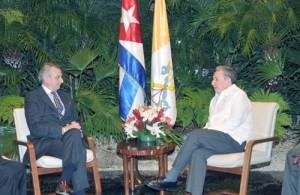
259	184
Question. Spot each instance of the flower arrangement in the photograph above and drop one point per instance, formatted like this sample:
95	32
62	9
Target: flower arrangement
147	120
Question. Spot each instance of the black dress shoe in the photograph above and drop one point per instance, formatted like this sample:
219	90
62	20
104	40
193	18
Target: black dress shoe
63	187
161	184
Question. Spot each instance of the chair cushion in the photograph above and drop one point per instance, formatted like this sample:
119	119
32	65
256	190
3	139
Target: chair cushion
52	162
236	159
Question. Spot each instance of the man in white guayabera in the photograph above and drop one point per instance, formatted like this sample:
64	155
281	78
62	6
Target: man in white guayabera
227	131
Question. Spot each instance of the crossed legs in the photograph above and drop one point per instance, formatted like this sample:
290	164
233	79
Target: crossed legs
198	147
72	151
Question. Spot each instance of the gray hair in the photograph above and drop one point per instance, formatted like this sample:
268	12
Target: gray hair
228	72
45	71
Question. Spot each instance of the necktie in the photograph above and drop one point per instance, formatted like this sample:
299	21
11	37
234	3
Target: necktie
57	103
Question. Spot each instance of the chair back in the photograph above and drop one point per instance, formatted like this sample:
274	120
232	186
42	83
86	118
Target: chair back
264	119
22	129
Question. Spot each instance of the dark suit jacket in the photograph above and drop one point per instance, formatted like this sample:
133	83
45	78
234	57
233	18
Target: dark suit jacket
12	177
43	121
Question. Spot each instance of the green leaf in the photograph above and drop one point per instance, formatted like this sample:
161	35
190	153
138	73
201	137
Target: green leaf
7	105
12	16
81	59
282	120
192	106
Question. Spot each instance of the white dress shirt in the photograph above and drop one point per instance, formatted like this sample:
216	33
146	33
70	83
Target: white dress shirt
48	91
230	113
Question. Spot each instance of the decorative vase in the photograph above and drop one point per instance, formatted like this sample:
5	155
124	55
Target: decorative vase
143	137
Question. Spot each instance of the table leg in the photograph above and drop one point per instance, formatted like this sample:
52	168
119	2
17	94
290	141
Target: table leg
138	179
125	174
166	163
161	165
132	174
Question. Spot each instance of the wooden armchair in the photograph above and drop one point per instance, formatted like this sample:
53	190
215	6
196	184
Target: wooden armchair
48	164
258	150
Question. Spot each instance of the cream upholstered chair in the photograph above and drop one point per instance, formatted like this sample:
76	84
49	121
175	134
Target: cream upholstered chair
48	164
258	150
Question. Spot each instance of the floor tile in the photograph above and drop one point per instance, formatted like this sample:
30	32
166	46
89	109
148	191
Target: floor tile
112	184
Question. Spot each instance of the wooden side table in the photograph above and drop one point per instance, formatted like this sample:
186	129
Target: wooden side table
130	149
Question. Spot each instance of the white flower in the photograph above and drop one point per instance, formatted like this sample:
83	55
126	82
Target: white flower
149	115
163	119
155	129
129	128
145	119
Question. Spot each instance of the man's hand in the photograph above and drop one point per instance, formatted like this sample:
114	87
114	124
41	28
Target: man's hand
73	125
296	159
5	157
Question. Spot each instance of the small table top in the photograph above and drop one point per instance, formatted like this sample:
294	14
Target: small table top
135	147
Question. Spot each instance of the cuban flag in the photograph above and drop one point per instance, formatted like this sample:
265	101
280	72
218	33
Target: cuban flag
132	75
162	79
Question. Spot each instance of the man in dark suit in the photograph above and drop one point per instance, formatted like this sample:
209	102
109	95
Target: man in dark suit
55	129
291	181
12	177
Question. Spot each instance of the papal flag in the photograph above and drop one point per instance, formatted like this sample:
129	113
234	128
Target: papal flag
162	79
132	76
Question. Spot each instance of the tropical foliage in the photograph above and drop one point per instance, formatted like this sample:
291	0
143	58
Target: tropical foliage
7	104
282	119
260	39
193	107
70	34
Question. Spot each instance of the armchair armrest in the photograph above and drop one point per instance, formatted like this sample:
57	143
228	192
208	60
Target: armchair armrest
251	144
20	142
91	143
30	148
247	159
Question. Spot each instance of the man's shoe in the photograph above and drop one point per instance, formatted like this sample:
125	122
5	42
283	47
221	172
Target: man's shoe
161	184
63	187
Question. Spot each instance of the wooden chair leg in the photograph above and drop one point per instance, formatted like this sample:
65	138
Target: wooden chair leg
34	169
96	175
36	182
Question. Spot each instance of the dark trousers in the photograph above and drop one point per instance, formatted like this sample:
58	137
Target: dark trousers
291	182
12	178
72	150
199	145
